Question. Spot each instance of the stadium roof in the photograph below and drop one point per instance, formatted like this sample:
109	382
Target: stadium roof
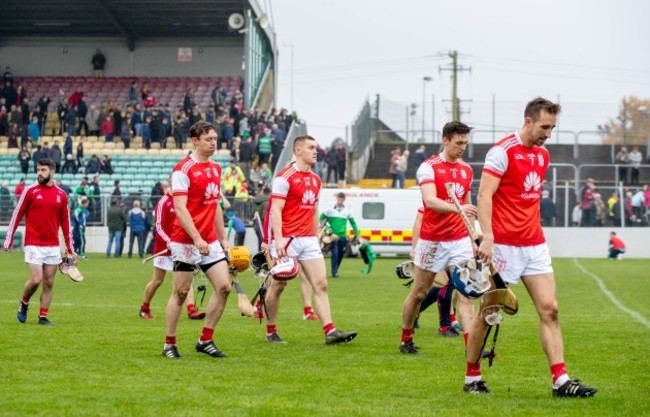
131	20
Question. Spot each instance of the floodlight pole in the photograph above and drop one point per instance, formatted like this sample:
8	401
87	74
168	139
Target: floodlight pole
425	79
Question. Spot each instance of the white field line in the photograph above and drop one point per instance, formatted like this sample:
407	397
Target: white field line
636	316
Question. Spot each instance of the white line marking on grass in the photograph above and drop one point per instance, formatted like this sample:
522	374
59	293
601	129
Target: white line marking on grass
636	316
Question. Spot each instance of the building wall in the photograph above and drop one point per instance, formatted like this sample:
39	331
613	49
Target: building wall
72	58
563	242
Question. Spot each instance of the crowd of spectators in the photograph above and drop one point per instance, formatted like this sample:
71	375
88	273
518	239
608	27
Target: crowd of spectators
253	138
592	210
65	162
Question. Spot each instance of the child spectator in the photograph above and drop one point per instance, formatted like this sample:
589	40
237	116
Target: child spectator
34	130
107	129
234	222
616	247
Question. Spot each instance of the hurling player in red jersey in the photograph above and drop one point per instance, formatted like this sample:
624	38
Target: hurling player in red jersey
198	238
165	217
513	240
305	286
294	214
45	207
444	240
449	325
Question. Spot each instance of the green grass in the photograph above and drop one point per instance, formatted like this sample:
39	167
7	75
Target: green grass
102	359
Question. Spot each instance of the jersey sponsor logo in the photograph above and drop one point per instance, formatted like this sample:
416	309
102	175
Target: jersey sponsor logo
216	174
296	181
308	199
500	265
519	156
532	184
39	197
459	190
540	160
197	174
441	171
463	174
211	191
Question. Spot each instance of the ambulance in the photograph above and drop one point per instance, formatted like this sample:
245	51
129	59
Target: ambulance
384	216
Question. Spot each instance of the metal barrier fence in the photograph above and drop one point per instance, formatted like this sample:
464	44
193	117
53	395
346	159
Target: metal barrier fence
98	207
363	143
564	183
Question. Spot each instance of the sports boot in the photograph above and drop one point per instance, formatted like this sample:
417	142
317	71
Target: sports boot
574	388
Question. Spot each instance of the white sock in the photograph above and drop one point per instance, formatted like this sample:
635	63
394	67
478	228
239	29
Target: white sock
470	379
561	380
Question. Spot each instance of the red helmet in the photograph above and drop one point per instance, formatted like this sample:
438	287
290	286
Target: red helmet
285	269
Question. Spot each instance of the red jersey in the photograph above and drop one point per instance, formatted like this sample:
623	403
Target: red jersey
45	210
617	243
444	227
200	182
20	187
165	217
515	204
300	191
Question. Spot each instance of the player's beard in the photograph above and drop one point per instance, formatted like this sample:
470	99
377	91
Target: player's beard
44	180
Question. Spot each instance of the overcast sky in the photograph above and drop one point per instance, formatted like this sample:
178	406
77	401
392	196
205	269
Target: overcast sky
589	53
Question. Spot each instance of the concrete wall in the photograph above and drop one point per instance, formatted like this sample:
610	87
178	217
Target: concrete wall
72	58
563	243
582	242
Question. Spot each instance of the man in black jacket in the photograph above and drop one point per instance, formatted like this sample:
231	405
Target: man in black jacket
56	155
247	154
82	111
42	105
98	61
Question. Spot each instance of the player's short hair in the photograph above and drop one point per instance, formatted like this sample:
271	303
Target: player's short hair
535	107
455	128
47	162
201	128
300	139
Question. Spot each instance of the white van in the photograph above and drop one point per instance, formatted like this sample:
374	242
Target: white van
384	216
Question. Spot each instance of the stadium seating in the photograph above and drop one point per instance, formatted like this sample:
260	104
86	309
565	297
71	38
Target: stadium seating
167	90
137	171
99	90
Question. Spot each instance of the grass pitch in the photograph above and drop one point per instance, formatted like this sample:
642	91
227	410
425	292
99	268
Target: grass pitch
102	359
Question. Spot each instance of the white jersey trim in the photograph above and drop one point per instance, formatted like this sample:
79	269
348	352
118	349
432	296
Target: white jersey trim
280	186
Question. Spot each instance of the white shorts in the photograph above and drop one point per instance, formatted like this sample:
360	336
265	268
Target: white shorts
39	255
303	248
436	256
189	253
164	263
514	262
